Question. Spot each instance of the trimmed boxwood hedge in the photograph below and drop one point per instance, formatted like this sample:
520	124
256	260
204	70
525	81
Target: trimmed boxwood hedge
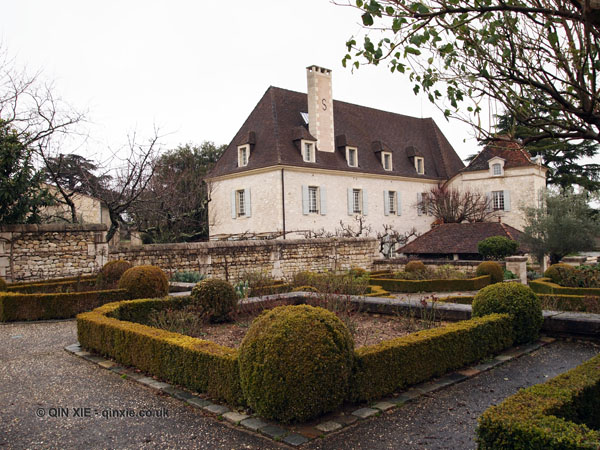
208	367
546	286
559	414
190	362
396	285
16	306
53	286
390	365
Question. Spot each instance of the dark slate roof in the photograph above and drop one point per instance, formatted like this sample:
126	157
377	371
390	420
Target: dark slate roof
509	150
450	238
277	124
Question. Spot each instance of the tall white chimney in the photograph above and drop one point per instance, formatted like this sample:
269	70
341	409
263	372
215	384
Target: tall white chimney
320	107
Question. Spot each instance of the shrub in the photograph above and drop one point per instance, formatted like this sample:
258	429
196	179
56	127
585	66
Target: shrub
556	272
216	299
357	272
415	266
145	282
508	275
2	284
515	299
497	247
111	273
188	277
492	269
581	277
296	363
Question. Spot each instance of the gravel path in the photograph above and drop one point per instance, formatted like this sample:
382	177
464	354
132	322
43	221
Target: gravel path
447	419
37	374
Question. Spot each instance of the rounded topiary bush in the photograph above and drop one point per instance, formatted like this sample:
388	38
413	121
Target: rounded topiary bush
497	247
515	299
296	363
144	282
491	268
111	273
556	272
414	266
216	299
2	284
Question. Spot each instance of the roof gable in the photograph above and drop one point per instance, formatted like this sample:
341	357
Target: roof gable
277	123
513	154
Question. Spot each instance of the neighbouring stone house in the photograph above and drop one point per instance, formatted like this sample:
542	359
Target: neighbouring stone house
305	162
88	209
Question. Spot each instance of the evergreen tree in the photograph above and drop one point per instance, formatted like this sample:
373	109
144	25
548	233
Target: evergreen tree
21	192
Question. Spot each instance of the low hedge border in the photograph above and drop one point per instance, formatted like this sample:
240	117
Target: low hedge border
559	414
54	280
54	286
211	368
545	286
396	285
273	289
16	306
377	291
190	362
462	299
391	365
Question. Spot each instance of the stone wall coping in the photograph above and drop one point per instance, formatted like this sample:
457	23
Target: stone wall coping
574	259
516	259
383	261
237	244
52	227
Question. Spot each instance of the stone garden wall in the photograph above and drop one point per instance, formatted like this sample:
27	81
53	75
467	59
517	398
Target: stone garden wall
38	252
231	259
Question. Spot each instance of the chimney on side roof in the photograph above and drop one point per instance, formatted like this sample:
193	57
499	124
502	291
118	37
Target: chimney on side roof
320	107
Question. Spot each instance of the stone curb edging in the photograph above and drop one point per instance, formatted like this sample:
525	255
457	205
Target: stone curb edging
289	434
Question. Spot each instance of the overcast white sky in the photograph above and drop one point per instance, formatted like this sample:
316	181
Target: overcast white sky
196	69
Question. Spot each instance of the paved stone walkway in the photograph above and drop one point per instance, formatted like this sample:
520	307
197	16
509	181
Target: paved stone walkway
38	377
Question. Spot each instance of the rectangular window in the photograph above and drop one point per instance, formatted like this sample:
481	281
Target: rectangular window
356	201
392	202
498	200
308	151
497	169
241	203
387	161
352	160
243	156
313	199
419	166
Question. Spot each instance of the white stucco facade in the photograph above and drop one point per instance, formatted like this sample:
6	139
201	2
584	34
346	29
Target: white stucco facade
267	209
521	187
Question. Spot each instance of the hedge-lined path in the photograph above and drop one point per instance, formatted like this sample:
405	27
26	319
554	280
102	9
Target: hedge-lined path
447	419
37	374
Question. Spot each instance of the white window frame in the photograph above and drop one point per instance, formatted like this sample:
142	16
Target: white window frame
498	200
308	146
357	201
387	156
243	155
420	165
240	202
349	150
496	169
392	202
313	200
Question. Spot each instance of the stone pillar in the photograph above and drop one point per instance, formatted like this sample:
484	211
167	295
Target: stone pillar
518	266
574	260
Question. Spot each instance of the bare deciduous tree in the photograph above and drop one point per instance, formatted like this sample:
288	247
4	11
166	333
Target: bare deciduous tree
450	205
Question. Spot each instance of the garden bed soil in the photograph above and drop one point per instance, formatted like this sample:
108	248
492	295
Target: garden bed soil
366	329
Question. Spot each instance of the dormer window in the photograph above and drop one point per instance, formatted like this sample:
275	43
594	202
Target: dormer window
308	151
243	155
386	160
352	156
496	169
420	165
496	165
